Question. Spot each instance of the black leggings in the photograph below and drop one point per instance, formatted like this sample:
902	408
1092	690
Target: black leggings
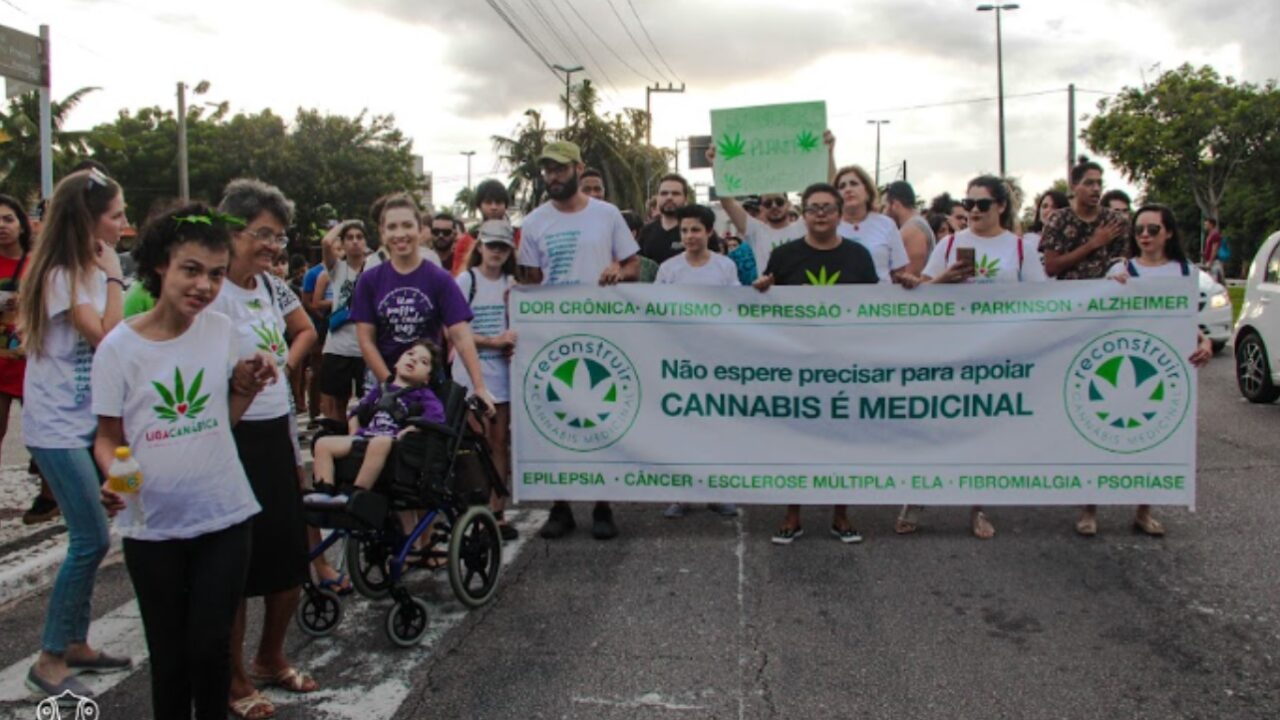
188	592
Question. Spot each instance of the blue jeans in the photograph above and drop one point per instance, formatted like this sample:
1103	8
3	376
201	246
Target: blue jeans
73	477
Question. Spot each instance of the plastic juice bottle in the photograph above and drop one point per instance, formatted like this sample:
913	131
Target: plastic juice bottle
124	477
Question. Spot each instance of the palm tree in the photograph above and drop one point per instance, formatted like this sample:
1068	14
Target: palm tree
20	142
519	155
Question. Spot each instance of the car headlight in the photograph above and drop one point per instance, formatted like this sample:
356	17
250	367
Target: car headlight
1219	301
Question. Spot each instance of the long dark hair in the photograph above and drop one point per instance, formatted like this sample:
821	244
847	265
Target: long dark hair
1059	201
508	267
1172	247
24	237
1000	193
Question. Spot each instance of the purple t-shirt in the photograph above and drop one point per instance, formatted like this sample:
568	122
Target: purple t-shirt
407	308
382	422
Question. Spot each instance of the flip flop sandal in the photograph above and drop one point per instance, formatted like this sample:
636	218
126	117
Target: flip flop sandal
339	585
978	520
290	679
254	706
1149	526
1088	527
908	520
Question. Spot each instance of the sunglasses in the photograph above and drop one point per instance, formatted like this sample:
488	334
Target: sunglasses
442	232
773	203
820	210
496	246
983	204
1151	230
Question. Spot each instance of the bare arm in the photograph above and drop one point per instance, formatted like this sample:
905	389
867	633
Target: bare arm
367	336
1056	263
302	336
829	139
109	437
329	248
529	275
917	246
319	302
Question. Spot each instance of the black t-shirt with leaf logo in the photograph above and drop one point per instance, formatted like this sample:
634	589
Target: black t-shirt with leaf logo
799	263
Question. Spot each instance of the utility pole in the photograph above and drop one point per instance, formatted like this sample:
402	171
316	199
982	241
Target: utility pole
568	101
184	180
1000	71
1071	129
648	111
469	154
877	123
46	117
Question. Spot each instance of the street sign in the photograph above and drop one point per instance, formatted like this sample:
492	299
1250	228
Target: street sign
20	56
698	146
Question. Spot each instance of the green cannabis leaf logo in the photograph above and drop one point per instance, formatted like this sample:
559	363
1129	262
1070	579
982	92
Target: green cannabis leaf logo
254	304
180	401
271	341
732	182
1126	391
822	278
987	268
807	141
731	147
582	393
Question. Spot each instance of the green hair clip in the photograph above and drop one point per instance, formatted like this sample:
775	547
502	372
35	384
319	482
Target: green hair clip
208	219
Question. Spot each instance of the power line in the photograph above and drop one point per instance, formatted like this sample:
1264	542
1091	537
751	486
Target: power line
15	7
537	11
526	31
653	44
635	42
606	45
950	103
493	4
590	55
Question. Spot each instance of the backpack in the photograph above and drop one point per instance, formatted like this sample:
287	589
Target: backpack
1132	268
951	242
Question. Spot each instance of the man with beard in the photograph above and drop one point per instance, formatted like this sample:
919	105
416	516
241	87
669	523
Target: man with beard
660	239
444	238
1081	241
592	183
575	239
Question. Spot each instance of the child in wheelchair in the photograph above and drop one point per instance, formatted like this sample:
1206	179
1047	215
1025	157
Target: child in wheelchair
381	417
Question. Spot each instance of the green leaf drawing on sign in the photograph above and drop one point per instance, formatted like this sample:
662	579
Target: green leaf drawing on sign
732	183
1127	392
822	278
731	147
807	141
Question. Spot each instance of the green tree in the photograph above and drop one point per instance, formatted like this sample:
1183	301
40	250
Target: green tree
1190	131
20	142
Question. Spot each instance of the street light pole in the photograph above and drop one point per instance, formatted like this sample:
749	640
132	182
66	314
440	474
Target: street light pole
877	123
1000	71
648	112
469	154
568	73
184	180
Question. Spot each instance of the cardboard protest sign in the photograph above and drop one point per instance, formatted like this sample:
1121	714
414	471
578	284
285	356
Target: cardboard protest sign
769	148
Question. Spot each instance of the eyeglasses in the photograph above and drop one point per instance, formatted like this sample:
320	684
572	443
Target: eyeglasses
442	232
267	235
773	203
820	210
983	204
1151	230
551	169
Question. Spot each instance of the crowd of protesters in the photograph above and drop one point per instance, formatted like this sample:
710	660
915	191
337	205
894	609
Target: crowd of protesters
233	339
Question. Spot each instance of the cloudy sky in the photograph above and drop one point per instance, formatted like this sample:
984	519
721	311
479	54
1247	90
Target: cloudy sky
454	74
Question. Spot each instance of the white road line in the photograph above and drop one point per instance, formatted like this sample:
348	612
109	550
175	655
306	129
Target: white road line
374	677
649	700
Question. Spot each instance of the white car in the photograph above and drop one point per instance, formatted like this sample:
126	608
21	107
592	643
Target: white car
1215	311
1257	334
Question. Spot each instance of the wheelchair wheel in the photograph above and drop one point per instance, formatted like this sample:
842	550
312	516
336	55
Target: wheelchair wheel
475	556
319	612
407	622
367	562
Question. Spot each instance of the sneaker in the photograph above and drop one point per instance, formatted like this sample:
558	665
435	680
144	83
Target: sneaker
786	535
847	535
673	511
602	527
559	524
42	509
723	509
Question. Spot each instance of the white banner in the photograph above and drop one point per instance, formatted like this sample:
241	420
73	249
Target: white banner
1020	394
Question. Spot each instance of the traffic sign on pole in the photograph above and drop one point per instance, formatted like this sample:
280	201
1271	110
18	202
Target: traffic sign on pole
20	57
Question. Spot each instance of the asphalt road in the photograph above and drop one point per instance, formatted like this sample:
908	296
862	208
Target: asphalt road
703	618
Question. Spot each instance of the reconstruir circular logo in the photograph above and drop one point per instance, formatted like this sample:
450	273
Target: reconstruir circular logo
1127	391
582	392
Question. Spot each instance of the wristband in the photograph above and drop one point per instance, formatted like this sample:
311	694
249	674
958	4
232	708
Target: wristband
118	281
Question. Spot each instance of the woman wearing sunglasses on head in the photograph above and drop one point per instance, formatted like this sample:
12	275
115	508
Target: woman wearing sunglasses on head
264	312
986	251
1154	251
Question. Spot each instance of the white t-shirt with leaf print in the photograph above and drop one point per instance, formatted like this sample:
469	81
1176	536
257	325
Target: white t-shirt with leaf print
260	326
172	398
996	259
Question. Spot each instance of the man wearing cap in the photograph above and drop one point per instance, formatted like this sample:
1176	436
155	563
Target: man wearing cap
570	240
917	236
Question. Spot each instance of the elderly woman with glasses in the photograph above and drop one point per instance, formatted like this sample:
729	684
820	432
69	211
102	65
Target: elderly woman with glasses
264	312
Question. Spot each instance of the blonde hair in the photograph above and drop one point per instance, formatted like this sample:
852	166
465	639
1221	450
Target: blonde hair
873	192
66	243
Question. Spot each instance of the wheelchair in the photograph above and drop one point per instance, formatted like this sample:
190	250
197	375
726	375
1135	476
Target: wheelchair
445	473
